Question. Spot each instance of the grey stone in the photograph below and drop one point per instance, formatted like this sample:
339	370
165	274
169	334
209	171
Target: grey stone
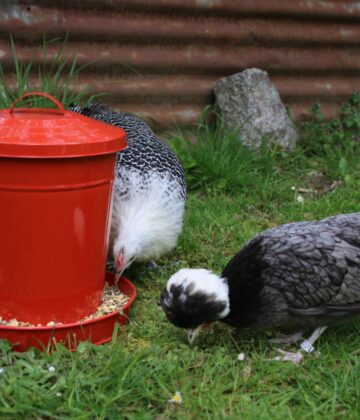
249	101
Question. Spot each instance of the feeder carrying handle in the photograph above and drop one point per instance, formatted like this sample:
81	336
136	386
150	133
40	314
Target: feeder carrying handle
59	110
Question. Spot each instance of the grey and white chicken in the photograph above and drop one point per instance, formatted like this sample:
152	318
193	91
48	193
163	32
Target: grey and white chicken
298	275
149	195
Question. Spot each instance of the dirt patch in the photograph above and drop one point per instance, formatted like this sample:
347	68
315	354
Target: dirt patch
316	183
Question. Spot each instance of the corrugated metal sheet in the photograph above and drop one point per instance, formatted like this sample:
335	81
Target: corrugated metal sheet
160	58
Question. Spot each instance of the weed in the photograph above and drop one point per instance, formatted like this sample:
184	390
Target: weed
54	76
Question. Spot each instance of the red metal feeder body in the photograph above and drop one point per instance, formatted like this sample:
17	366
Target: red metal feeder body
56	177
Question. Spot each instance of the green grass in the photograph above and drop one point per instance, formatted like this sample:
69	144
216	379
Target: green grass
135	376
55	76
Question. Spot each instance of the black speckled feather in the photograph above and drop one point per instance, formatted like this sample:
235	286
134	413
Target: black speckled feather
145	154
298	273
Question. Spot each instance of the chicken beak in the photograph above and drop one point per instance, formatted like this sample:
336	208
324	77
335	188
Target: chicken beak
193	333
118	275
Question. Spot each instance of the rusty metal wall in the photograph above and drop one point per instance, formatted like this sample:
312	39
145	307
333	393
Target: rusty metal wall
160	58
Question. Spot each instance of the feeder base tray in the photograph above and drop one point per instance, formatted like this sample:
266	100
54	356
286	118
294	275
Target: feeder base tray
97	330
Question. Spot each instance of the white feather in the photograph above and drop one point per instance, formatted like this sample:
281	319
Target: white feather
204	281
148	218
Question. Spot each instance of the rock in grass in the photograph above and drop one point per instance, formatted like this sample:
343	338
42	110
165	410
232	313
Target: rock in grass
248	101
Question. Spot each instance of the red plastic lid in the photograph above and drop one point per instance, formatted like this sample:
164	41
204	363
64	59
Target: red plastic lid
55	133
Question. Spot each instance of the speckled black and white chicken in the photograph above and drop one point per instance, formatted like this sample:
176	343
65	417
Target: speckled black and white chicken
298	275
149	194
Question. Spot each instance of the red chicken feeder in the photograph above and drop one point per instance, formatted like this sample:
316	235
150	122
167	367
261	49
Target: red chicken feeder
56	179
98	330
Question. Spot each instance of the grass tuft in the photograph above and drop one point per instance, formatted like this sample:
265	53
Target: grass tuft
215	160
55	76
